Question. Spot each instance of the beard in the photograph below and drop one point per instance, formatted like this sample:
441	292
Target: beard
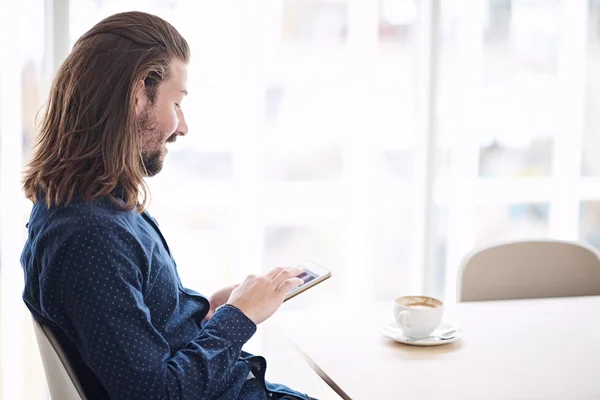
151	161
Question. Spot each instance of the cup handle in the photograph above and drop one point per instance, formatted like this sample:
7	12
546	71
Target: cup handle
402	320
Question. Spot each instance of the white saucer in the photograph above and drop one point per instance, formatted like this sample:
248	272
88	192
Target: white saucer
394	332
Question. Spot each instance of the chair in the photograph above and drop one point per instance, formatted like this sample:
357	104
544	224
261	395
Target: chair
529	270
62	381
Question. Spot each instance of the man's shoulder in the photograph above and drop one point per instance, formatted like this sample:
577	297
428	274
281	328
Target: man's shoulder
80	226
97	210
78	215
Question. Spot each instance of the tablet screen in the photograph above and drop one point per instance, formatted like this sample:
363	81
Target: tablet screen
307	276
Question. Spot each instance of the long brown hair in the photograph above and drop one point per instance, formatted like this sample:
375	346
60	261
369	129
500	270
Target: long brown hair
88	144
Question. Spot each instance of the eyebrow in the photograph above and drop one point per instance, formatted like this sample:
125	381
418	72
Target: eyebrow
184	91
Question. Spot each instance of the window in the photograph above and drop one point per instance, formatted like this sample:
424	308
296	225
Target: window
22	82
510	118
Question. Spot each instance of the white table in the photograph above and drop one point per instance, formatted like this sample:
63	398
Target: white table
519	349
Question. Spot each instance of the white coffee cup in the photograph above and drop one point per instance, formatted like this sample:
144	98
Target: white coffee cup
418	316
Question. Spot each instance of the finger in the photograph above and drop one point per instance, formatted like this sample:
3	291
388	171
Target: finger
289	284
287	273
274	272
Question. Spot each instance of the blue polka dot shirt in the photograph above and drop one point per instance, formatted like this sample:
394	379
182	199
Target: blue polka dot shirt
105	282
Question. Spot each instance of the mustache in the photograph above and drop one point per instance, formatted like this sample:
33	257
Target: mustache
172	138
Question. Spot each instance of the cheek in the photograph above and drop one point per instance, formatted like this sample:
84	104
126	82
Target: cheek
167	121
172	122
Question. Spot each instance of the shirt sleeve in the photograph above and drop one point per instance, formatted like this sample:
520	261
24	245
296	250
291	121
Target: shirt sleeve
100	289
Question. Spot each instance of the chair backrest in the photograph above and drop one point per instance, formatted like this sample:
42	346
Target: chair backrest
528	270
61	378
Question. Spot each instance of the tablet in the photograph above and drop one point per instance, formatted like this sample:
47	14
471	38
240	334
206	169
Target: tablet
313	274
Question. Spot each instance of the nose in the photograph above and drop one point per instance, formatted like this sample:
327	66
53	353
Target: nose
182	127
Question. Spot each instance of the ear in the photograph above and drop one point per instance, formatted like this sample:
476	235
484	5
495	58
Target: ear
141	99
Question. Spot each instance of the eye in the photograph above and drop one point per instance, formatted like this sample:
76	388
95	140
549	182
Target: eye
177	105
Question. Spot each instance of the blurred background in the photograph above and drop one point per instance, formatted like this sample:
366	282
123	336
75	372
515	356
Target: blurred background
383	139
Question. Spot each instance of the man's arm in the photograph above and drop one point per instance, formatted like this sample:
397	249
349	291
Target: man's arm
101	293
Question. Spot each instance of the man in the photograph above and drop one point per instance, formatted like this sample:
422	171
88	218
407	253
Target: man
98	271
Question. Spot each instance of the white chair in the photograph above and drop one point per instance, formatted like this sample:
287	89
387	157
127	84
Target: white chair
61	378
528	270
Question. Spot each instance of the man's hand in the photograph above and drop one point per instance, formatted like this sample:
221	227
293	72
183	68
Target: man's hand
259	297
219	298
